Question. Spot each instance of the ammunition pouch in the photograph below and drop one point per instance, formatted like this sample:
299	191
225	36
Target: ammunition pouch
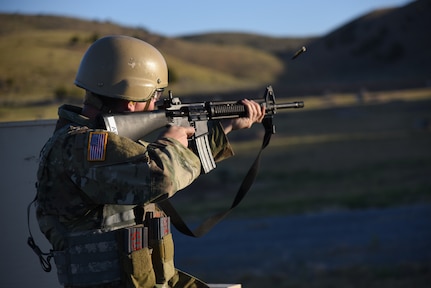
90	258
139	269
139	256
163	258
98	257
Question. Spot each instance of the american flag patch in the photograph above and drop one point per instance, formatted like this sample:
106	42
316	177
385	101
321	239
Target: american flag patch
97	146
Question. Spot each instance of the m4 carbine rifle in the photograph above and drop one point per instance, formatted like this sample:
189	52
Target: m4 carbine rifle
136	125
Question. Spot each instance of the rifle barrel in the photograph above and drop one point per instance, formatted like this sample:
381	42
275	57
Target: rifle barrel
296	104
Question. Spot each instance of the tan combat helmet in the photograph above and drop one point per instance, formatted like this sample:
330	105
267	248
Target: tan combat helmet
122	67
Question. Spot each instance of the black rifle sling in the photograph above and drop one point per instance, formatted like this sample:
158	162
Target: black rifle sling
209	223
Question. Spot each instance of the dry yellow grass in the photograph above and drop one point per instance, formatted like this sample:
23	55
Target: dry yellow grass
39	57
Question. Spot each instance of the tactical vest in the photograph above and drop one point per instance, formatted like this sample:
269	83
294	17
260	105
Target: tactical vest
120	251
140	254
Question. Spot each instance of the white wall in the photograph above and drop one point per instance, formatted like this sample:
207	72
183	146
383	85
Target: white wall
20	143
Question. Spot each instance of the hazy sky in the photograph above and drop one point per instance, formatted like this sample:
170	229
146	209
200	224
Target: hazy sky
182	17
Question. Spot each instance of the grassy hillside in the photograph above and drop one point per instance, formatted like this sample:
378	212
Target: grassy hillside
385	49
39	56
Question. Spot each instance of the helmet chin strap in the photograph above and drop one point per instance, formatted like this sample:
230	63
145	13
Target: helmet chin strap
147	104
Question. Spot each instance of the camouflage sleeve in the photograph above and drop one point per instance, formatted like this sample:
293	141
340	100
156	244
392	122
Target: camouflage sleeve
111	169
219	142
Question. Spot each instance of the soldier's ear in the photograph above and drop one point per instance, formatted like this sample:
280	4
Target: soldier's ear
131	105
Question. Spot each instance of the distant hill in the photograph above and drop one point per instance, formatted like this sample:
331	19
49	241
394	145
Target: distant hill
274	45
385	49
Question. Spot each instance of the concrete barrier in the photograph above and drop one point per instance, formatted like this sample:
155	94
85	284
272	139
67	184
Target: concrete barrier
20	143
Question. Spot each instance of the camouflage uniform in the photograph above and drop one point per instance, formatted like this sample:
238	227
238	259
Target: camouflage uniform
80	189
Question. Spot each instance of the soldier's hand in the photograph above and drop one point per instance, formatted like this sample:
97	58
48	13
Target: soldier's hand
255	114
179	133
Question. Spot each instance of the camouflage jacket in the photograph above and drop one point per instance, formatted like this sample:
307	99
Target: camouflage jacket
86	173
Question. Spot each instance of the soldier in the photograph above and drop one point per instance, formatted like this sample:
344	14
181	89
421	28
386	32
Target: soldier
98	192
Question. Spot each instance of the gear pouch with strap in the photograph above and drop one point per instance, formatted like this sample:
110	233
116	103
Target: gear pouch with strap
163	248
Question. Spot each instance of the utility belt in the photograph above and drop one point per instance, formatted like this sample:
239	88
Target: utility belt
141	255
